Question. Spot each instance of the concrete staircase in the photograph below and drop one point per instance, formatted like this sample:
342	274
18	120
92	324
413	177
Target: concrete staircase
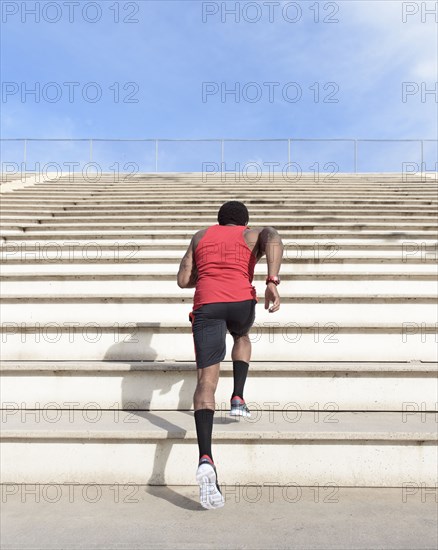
97	364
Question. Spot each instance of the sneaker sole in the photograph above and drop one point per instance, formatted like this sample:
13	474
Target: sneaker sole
209	495
237	412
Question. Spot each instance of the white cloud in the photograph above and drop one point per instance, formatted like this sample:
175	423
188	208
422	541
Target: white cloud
426	71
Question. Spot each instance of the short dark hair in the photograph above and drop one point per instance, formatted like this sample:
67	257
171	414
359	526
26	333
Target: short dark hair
233	212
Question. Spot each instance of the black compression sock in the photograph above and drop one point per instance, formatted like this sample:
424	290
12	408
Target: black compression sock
240	372
204	428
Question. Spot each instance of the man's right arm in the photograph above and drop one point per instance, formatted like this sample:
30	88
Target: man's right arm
270	243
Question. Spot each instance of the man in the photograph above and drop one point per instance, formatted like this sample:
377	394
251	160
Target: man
220	263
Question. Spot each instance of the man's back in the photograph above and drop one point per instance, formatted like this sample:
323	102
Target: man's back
225	265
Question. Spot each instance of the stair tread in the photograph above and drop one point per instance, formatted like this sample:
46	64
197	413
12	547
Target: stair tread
171	273
296	297
127	326
288	424
257	366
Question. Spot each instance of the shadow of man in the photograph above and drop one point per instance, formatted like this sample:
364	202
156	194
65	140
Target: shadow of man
156	385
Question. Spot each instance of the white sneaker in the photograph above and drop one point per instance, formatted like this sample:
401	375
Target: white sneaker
210	495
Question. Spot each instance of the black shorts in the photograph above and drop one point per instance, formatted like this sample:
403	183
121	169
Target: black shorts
210	323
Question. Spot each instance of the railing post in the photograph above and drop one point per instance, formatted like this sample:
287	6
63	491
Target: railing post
91	150
156	155
355	156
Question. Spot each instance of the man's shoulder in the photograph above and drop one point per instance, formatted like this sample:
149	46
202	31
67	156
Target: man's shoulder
253	236
198	236
253	231
266	230
201	232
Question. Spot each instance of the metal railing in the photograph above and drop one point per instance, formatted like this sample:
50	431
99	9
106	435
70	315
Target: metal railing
222	141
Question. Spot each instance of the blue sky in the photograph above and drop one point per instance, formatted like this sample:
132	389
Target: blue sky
161	65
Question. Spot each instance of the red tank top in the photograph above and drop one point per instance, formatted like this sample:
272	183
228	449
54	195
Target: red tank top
225	266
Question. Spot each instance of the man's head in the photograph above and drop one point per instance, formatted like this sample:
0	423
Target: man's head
234	212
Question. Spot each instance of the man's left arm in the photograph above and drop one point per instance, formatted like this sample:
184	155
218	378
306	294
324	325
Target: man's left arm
188	273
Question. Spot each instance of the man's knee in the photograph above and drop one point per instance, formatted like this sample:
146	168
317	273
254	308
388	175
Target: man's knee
238	337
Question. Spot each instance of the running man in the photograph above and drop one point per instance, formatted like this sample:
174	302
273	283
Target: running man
220	263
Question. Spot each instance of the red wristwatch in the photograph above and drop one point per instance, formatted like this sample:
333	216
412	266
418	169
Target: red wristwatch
273	279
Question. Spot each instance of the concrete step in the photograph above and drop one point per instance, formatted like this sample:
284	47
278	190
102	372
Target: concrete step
128	254
170	178
406	250
228	187
211	212
134	251
243	186
266	211
302	310
412	202
213	189
275	340
257	208
182	176
215	184
375	449
135	272
134	254
314	386
19	234
109	218
40	285
237	184
180	241
313	206
191	187
217	193
296	269
12	247
163	298
230	184
195	225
